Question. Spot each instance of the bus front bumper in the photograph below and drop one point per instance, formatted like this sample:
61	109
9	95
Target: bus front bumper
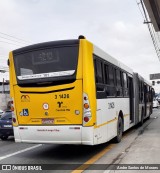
54	134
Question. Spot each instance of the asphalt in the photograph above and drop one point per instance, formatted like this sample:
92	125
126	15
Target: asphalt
140	145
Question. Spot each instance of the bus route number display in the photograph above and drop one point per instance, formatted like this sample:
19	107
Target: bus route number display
46	56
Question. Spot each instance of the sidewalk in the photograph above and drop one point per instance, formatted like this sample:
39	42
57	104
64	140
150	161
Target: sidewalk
146	147
141	146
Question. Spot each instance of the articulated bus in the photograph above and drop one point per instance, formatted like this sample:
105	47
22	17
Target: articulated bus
72	92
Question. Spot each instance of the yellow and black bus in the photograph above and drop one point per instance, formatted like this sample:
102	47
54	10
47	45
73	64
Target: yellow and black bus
72	92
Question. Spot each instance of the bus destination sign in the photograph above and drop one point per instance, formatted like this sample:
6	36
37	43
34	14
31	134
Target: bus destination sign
154	76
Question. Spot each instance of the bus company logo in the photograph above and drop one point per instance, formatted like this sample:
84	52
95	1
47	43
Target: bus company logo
25	98
59	104
6	168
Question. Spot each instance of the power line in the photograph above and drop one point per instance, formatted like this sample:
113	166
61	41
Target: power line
15	37
10	43
13	40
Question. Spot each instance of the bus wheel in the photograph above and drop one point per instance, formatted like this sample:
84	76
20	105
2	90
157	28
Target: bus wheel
119	130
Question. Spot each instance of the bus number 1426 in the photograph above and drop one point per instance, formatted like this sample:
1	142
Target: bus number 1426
62	96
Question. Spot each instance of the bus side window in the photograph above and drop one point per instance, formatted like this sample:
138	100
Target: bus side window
118	83
125	84
110	84
95	70
140	90
98	65
111	76
106	74
150	94
145	93
99	71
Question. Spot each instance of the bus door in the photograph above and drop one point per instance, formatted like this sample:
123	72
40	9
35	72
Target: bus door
131	99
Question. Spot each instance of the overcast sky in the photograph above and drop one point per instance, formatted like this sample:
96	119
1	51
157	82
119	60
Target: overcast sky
116	26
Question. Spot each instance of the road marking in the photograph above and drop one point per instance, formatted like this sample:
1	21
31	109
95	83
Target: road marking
102	153
93	159
96	157
107	171
21	151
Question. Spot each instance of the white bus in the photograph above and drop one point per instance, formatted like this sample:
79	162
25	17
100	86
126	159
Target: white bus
72	92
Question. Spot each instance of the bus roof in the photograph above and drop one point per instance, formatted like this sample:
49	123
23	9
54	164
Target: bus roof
147	82
46	45
107	57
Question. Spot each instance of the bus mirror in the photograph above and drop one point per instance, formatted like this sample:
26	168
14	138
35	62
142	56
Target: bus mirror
8	63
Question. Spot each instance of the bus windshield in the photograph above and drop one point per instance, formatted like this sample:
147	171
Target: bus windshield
46	64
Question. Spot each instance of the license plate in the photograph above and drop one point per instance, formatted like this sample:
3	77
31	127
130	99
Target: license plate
47	121
7	126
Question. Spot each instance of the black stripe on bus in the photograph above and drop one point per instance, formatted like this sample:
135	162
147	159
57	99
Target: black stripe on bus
45	45
46	92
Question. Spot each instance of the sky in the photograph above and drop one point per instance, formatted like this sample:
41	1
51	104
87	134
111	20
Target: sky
113	25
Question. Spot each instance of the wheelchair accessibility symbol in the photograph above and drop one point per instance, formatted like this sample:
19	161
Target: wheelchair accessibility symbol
24	112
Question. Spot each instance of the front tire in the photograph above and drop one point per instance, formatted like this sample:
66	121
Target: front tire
119	130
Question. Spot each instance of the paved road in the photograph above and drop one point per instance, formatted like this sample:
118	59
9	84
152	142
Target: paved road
139	145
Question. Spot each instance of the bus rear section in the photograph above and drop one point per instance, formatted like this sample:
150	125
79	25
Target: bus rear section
47	90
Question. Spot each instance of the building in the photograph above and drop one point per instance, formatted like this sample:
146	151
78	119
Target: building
153	9
4	88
